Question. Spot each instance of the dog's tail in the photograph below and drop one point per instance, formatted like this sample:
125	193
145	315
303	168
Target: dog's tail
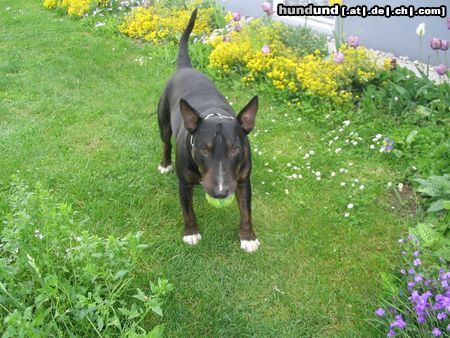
184	61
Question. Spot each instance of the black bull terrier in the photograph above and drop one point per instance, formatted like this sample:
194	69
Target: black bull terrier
212	147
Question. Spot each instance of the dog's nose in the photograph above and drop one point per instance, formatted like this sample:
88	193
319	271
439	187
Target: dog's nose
221	193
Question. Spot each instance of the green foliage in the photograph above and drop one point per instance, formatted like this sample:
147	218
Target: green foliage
438	189
303	40
414	112
402	91
435	233
57	279
434	238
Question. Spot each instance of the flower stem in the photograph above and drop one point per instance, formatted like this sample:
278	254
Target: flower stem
420	48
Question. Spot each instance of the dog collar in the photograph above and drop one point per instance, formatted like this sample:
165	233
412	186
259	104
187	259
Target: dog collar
219	116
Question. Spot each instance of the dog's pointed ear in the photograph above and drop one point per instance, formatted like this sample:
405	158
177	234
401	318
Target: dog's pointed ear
190	116
247	115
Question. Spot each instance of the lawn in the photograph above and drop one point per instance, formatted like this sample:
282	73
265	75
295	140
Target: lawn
78	114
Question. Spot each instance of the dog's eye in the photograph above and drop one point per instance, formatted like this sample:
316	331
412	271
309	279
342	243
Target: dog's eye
234	150
204	151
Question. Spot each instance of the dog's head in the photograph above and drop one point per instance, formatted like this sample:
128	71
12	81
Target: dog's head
220	147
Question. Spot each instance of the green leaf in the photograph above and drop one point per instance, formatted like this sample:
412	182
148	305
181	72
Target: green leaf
426	234
157	332
100	324
140	295
423	111
446	205
436	206
402	92
412	135
119	274
157	309
398	153
131	314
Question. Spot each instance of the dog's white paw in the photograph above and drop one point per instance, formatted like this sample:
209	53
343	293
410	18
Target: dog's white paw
192	239
164	170
250	246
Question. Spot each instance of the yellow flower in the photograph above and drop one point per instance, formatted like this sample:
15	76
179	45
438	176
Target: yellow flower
335	2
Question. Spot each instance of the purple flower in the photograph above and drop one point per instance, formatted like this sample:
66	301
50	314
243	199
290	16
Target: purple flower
339	57
416	253
267	8
236	16
265	49
399	322
353	41
411	271
435	43
387	146
380	312
403	272
417	262
444	276
442	302
441	69
448	326
237	28
391	333
441	315
411	285
418	278
420	303
436	332
444	44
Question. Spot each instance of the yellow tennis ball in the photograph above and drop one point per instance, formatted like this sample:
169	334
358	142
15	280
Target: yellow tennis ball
220	202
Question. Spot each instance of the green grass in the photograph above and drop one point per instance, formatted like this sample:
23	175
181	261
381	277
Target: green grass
77	113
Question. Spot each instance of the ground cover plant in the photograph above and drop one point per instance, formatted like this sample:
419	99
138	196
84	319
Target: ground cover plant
87	130
57	279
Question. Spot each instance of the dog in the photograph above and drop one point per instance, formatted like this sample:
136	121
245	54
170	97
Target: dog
212	147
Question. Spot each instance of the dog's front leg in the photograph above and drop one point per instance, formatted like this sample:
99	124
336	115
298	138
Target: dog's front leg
191	235
249	242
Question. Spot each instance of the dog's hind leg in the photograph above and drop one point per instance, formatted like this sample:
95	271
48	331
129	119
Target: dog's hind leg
165	131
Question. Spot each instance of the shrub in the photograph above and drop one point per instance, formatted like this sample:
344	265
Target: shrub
57	279
74	7
260	51
160	24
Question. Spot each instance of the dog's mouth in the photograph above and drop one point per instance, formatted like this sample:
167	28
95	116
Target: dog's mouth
219	193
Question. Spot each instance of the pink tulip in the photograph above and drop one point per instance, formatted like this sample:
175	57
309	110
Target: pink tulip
444	44
265	49
435	43
441	69
339	57
267	8
353	41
